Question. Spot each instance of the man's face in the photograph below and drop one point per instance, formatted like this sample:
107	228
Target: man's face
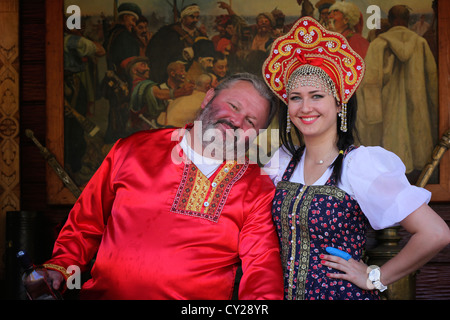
179	74
206	62
141	29
191	21
141	70
324	14
230	31
129	21
220	68
337	21
263	24
222	31
234	116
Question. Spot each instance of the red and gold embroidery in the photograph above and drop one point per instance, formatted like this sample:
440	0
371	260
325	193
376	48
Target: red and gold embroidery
200	197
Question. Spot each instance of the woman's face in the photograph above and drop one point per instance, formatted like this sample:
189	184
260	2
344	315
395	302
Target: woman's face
313	111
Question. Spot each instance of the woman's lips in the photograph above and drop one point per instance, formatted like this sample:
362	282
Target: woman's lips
309	120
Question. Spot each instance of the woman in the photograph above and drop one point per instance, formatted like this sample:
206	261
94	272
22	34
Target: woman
328	190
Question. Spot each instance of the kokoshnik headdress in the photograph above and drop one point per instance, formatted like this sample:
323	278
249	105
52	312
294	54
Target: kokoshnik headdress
313	56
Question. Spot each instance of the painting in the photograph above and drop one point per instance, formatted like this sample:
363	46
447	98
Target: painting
117	67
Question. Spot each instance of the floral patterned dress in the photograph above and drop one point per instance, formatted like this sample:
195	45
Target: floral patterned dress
309	219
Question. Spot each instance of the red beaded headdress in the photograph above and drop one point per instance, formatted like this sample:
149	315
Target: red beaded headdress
308	43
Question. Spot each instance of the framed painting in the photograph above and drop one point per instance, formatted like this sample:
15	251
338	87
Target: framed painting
104	57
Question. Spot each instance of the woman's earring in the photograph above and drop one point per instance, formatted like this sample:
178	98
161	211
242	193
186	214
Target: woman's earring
343	115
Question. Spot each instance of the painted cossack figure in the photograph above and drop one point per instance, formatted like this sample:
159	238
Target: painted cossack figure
169	43
398	99
328	190
120	44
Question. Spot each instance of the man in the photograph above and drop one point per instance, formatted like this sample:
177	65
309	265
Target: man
150	100
221	23
168	43
79	54
220	66
184	110
176	81
120	45
346	19
203	59
323	7
142	34
398	99
264	32
170	218
280	27
421	26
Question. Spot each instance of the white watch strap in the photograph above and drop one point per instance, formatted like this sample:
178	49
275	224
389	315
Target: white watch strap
376	281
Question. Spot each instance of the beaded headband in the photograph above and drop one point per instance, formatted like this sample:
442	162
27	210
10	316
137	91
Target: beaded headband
310	50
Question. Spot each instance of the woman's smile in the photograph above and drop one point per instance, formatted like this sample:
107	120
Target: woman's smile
313	111
309	119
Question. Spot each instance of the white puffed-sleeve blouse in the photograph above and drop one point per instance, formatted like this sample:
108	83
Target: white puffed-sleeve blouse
373	176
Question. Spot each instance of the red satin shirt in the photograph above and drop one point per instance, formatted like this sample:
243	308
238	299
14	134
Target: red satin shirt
162	230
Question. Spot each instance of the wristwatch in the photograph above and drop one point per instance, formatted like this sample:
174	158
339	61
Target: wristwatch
374	277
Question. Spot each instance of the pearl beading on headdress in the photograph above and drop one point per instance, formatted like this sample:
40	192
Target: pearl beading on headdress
312	76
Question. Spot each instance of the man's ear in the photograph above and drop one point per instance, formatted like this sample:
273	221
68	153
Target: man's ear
209	95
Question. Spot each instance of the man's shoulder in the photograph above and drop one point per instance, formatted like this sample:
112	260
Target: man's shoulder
168	29
147	138
117	31
258	176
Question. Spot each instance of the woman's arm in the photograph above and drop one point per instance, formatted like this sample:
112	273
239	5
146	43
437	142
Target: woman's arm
430	234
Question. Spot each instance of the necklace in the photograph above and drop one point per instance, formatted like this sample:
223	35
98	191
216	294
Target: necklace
322	161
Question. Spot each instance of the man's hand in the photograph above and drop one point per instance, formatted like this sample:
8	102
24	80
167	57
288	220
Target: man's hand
55	278
185	90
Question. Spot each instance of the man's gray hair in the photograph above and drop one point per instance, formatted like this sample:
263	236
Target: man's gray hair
258	84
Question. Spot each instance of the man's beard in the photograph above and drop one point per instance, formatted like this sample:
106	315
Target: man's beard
263	28
192	26
231	144
144	74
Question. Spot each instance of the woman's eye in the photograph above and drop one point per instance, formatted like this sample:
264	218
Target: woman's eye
318	96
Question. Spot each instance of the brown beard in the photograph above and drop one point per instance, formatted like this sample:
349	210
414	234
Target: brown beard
209	121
